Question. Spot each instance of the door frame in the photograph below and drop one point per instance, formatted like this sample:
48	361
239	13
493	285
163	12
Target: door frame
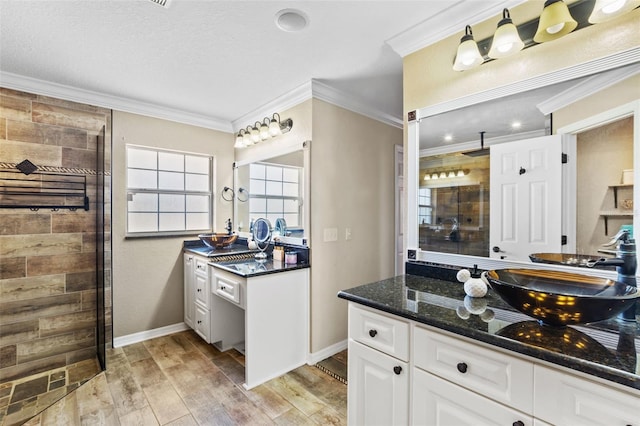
569	176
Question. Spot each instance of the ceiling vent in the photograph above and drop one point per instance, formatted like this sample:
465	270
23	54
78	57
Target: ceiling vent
163	3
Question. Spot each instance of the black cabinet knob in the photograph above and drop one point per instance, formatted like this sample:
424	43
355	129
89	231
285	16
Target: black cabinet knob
222	287
199	290
199	321
373	333
397	369
518	423
462	367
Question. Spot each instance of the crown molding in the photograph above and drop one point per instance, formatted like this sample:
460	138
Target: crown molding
69	93
468	146
281	103
586	88
324	92
317	90
296	96
444	24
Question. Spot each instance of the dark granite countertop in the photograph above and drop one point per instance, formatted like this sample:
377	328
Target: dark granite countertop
238	259
252	268
608	349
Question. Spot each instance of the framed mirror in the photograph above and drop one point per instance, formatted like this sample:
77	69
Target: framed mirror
274	188
462	122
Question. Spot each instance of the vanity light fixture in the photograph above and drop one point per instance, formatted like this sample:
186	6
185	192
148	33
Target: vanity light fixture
262	130
468	55
445	174
555	21
506	40
605	10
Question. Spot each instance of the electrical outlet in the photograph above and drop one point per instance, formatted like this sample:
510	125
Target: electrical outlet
347	234
330	234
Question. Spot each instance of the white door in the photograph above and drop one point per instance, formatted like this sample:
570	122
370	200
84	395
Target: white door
378	391
526	198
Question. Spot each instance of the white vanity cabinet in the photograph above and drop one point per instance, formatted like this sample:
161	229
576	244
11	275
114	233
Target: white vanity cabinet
197	311
378	373
565	399
264	316
454	380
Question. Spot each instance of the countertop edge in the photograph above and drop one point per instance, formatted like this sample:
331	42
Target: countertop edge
538	354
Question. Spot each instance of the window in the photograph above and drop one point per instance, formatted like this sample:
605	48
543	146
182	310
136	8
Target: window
168	192
275	193
425	208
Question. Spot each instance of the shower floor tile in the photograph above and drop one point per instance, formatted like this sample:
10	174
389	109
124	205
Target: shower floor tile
26	397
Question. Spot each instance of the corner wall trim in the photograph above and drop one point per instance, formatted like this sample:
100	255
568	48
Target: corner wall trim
148	334
325	353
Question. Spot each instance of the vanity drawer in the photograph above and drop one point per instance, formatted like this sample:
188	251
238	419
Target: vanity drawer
380	332
201	267
228	287
499	376
566	399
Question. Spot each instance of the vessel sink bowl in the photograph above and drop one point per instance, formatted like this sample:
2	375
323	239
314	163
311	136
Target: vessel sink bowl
567	259
562	298
218	240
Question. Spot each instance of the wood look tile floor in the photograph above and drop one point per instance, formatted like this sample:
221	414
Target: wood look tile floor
181	380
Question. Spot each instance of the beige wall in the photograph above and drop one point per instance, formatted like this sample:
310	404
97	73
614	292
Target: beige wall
352	186
147	275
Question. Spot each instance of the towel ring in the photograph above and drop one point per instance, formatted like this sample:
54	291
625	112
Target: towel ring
224	191
241	191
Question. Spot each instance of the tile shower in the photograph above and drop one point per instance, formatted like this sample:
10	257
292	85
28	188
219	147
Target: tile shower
55	281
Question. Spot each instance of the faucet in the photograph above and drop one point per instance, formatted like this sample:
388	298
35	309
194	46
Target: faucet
229	226
625	260
626	264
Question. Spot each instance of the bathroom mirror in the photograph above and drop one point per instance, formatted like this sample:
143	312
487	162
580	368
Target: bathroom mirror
462	120
273	188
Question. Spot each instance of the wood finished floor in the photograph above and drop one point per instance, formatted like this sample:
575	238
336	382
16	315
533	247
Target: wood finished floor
181	380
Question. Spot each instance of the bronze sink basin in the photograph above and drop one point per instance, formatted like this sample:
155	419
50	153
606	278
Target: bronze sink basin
218	240
561	298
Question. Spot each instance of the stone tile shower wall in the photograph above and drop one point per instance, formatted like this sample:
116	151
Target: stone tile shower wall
48	304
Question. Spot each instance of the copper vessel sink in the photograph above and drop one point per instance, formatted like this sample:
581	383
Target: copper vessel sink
218	240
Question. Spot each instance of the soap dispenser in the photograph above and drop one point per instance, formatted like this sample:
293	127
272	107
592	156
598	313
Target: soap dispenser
475	286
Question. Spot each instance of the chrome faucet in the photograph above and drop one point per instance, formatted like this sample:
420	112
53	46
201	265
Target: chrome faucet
626	264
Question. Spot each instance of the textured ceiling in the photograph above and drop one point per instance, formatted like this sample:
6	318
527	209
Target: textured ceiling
219	59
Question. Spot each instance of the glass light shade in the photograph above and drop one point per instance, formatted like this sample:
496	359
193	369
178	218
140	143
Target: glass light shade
468	55
605	10
434	176
246	138
460	173
506	40
451	174
555	22
427	176
255	134
443	175
239	141
264	131
274	128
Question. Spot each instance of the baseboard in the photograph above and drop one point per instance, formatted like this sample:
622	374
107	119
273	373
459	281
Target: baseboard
316	357
148	334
